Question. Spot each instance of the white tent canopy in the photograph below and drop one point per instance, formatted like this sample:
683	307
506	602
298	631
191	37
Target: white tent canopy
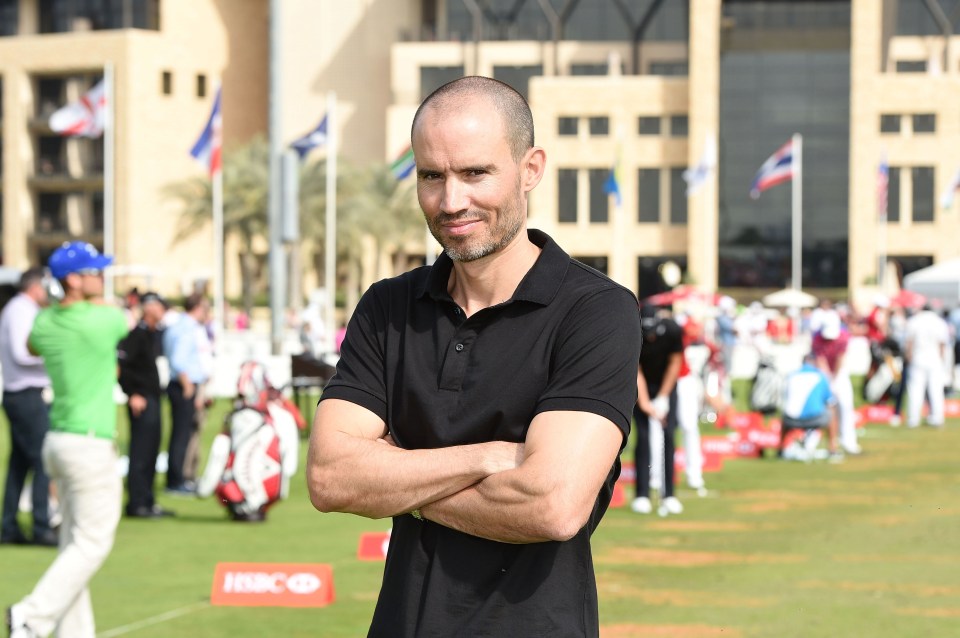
939	281
790	298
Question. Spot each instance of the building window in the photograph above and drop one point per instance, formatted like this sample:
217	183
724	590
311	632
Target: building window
588	69
61	16
599	126
518	77
923	199
911	66
599	198
50	218
201	85
678	126
50	155
433	77
9	17
925	123
567	126
678	196
567	195
648	125
890	123
648	180
50	95
166	83
677	68
893	195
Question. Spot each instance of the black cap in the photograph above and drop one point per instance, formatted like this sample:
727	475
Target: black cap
147	297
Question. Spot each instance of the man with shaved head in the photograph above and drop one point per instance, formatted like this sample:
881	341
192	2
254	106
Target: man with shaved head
481	402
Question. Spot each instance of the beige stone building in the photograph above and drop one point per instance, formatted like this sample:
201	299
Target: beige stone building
639	85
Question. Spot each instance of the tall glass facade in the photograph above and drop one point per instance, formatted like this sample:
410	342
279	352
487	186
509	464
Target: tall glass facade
784	69
596	20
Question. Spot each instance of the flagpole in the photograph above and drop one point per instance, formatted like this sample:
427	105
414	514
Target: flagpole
109	183
882	266
330	250
797	213
220	311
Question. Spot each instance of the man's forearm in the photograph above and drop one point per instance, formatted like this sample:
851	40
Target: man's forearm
374	479
501	508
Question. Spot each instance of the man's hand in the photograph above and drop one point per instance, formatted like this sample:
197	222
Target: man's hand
189	388
355	466
137	404
660	407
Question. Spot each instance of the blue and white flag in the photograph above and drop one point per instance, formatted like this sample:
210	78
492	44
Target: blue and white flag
946	200
697	176
313	139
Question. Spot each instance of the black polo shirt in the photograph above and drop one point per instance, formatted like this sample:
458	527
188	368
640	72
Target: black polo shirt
568	339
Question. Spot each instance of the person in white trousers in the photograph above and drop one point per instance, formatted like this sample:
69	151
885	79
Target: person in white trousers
830	347
926	344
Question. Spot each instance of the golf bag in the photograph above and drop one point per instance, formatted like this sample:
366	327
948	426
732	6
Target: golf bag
252	460
767	390
883	378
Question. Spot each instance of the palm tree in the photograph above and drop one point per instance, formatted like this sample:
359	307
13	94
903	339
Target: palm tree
246	178
371	203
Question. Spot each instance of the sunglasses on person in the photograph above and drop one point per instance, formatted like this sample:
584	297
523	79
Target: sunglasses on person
89	271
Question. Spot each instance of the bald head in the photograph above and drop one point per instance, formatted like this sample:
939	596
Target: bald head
513	109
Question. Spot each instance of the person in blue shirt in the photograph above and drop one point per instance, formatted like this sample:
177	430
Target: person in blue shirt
187	347
809	403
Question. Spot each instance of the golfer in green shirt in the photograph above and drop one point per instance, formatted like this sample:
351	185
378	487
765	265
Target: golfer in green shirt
77	339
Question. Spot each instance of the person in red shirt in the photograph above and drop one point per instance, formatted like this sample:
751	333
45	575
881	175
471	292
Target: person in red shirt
830	347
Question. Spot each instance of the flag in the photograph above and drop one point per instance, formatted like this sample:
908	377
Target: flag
777	169
83	118
883	188
612	185
697	176
317	137
946	200
403	165
208	147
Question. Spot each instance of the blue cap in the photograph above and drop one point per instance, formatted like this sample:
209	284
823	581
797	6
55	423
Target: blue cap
75	256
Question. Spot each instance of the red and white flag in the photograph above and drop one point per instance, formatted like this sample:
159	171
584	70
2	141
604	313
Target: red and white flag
83	118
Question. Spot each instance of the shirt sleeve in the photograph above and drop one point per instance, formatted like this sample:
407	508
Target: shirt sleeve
20	329
360	376
594	367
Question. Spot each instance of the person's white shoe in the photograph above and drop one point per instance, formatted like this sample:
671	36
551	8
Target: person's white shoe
673	505
16	625
895	421
641	505
852	450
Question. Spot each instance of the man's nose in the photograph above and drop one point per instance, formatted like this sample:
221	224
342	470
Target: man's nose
454	196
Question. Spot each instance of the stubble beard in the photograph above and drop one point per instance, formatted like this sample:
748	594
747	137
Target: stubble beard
468	249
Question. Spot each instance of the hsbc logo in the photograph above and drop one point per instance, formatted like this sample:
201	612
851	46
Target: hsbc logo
272	585
302	583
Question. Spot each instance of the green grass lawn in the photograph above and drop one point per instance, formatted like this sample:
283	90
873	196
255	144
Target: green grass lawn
868	547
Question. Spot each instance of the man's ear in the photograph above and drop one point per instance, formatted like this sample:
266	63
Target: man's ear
532	166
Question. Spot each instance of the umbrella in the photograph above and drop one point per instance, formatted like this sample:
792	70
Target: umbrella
790	298
908	299
682	293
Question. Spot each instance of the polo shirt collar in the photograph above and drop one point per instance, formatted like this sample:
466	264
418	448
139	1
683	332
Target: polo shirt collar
540	285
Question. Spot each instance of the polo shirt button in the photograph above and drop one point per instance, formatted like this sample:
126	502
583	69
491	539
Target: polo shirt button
459	347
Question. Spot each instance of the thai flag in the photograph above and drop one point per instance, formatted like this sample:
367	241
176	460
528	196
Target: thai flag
777	169
84	118
883	188
403	165
317	137
208	147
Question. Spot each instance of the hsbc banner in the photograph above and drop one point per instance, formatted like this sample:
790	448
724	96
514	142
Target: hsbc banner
272	585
